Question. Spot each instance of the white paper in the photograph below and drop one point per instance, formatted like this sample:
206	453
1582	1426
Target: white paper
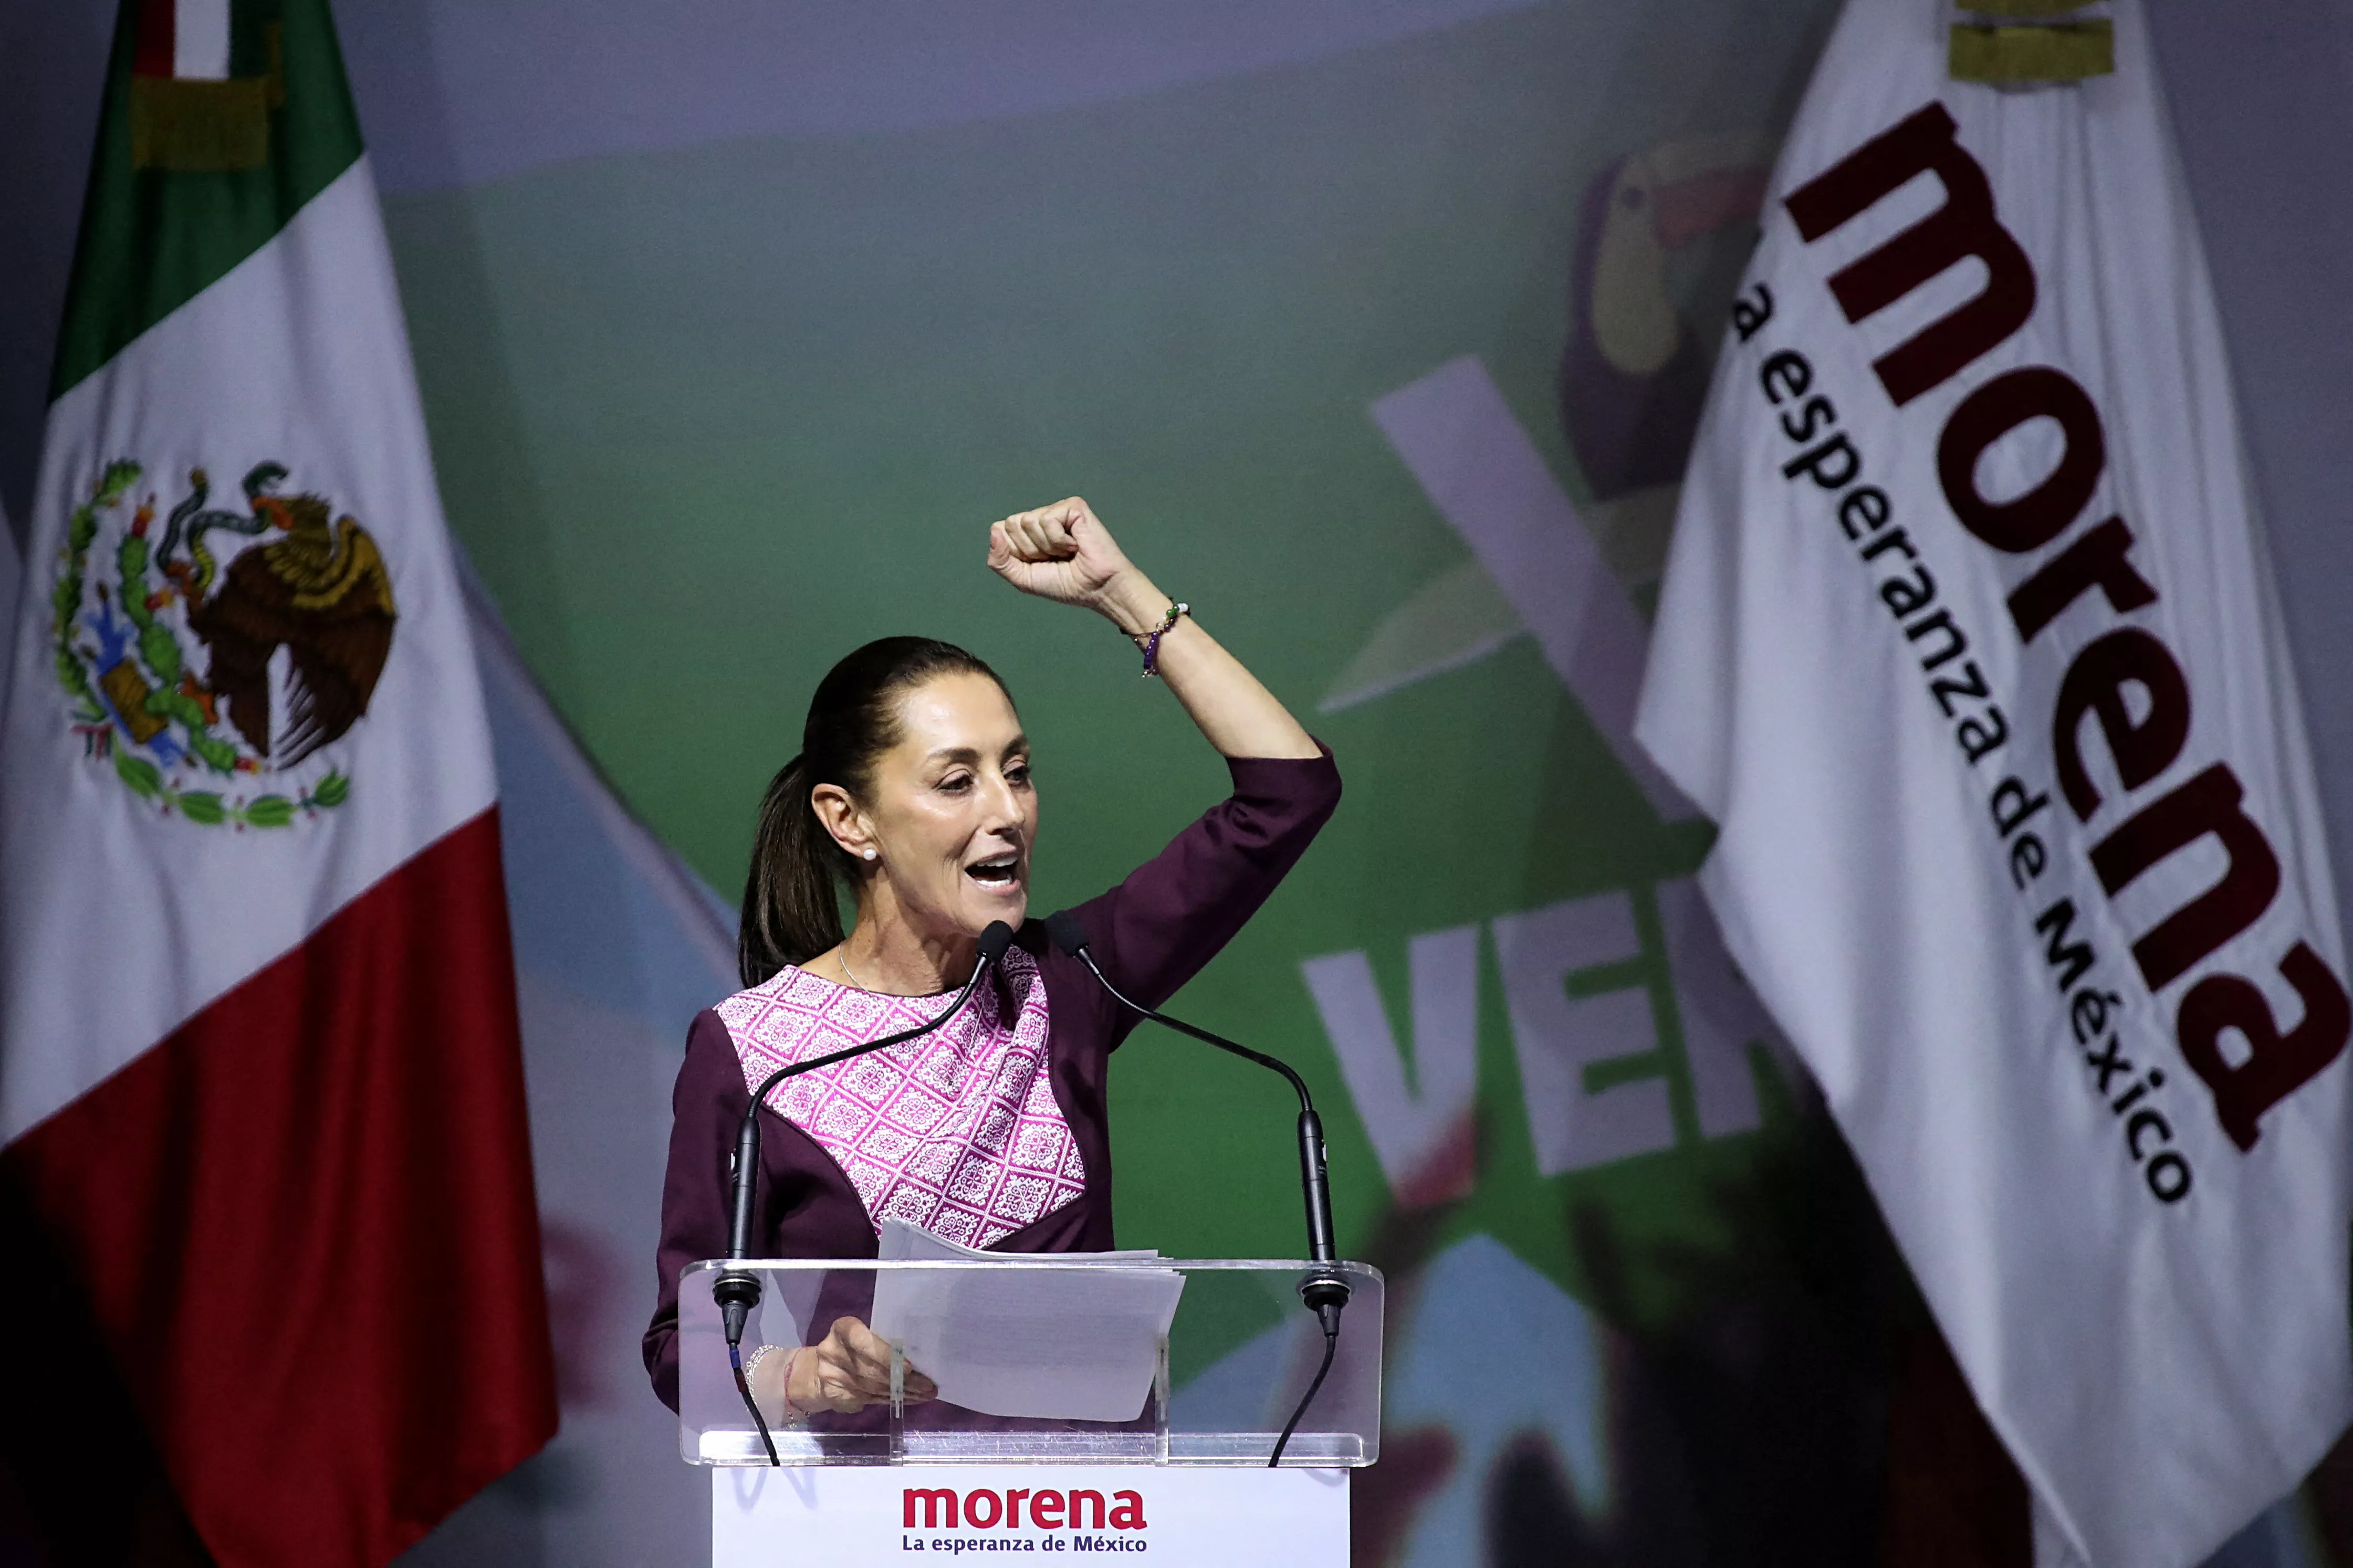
1067	1342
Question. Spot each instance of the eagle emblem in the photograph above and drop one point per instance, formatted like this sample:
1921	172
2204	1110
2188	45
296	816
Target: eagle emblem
212	655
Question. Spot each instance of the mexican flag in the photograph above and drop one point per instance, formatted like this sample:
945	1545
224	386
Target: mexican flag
265	1175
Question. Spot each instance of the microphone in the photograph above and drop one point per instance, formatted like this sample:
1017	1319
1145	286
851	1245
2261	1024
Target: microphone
1323	1291
737	1290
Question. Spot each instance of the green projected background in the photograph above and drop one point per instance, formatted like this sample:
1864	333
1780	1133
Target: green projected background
706	418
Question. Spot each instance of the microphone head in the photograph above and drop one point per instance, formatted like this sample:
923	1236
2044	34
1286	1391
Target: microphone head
1063	930
994	940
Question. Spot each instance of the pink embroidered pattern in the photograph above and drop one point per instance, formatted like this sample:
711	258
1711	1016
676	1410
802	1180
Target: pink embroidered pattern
957	1132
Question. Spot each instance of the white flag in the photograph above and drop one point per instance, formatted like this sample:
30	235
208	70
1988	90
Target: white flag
1970	646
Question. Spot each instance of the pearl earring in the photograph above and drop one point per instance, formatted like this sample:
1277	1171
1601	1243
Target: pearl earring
870	852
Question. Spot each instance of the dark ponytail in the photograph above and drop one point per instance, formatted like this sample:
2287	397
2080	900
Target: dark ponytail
792	911
789	909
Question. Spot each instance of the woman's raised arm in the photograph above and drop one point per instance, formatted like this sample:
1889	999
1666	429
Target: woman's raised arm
1063	553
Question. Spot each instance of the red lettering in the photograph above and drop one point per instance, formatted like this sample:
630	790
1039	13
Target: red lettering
972	1501
2206	805
2277	1064
2096	561
2104	681
1922	144
1993	411
2095	684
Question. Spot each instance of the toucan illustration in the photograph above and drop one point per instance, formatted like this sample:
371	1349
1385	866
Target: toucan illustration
1632	382
1633	375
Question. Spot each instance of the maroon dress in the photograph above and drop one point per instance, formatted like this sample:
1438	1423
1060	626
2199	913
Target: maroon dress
1151	934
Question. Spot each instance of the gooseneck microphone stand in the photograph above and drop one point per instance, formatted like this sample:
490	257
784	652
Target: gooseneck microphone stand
1323	1291
737	1290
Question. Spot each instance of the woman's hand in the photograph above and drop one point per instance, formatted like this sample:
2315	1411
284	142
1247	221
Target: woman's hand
1063	553
846	1371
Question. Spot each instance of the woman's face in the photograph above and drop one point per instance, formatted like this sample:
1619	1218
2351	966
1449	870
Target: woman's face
951	811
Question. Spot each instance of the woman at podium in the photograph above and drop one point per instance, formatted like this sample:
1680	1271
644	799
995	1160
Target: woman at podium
913	788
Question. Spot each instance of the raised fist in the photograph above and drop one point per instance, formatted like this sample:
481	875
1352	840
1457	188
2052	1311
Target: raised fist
1063	553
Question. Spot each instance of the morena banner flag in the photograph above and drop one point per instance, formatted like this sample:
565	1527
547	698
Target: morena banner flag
1969	644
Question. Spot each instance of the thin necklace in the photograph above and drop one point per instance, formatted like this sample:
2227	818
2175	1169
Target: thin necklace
842	956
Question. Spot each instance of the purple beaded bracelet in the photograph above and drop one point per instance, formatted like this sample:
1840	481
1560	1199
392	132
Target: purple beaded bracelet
1152	643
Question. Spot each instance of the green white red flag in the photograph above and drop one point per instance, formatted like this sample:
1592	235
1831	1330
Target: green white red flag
264	1160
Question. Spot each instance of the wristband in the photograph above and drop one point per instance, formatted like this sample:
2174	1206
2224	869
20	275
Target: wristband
1150	643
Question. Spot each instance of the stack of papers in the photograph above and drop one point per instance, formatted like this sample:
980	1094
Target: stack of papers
1068	1342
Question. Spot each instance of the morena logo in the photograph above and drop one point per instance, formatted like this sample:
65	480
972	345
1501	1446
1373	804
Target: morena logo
2126	678
940	1508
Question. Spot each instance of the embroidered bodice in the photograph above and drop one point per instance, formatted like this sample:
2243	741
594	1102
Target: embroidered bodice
958	1131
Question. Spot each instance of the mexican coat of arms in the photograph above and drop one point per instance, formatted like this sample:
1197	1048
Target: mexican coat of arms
210	683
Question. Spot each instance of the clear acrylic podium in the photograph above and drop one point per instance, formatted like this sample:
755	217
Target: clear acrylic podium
1240	1352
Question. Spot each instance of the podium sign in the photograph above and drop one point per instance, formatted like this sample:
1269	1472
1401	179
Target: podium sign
862	1516
1183	1478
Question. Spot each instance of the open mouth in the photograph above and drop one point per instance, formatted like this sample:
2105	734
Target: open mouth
996	871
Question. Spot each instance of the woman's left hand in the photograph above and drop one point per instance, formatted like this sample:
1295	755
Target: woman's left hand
1063	553
846	1371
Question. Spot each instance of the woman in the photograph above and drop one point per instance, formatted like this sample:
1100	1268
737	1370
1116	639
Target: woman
914	787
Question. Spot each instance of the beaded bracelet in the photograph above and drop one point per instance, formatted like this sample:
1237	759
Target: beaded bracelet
752	1366
792	1417
1151	643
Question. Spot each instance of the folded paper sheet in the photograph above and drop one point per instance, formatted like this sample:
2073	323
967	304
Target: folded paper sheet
1062	1343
